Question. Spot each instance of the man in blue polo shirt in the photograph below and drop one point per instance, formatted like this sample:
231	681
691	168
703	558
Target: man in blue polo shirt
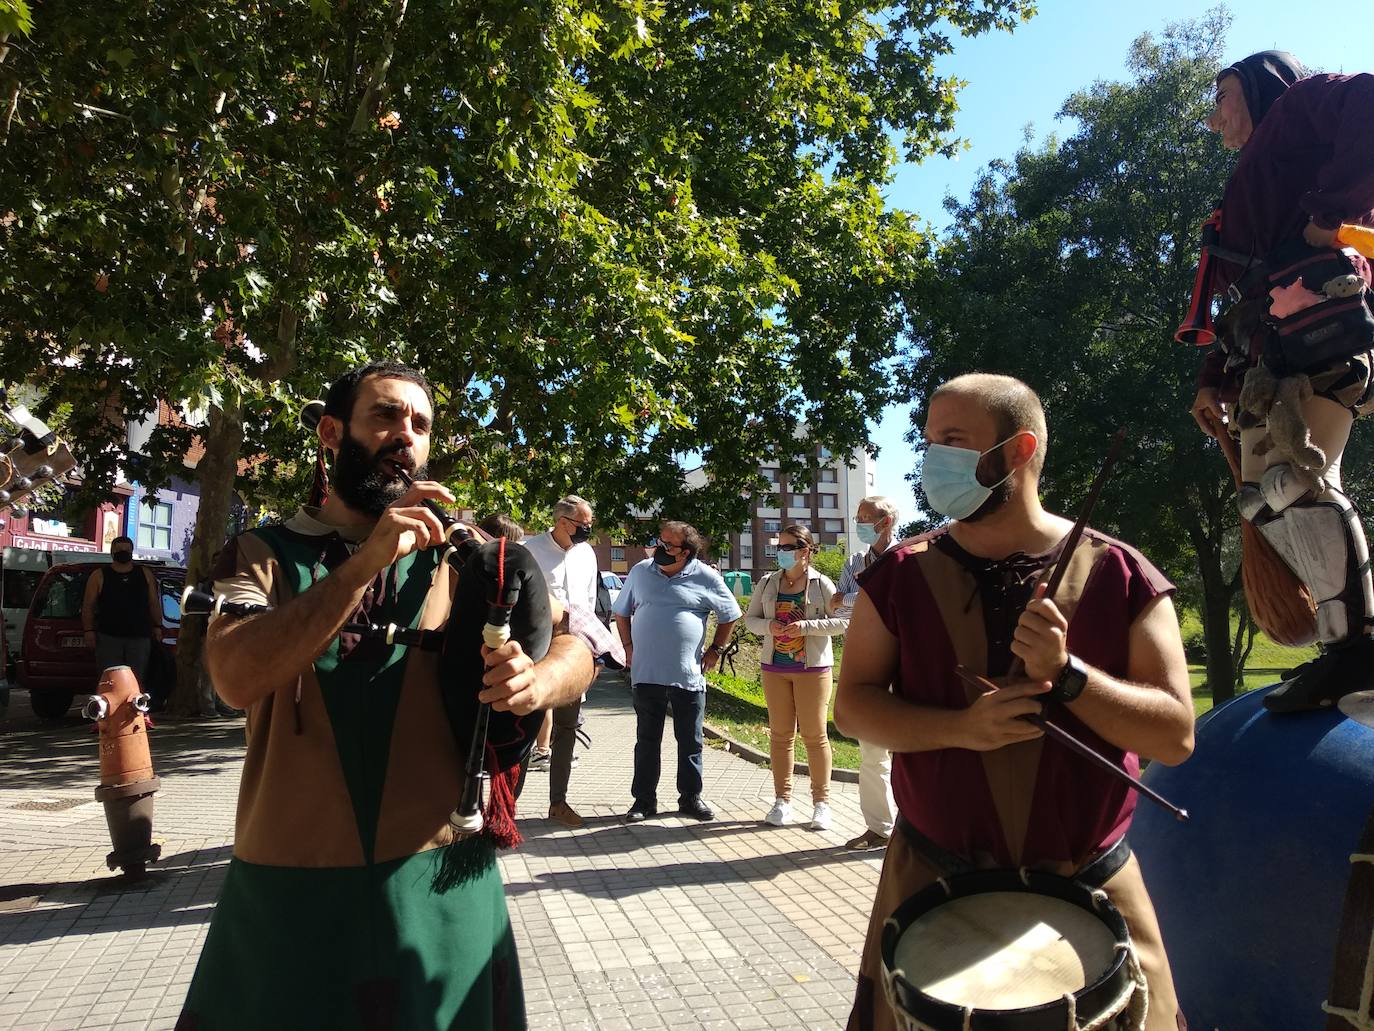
661	613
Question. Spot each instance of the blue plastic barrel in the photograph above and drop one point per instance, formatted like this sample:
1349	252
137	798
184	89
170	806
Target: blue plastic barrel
1250	892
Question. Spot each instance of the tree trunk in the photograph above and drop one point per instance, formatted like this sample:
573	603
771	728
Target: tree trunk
215	474
1216	629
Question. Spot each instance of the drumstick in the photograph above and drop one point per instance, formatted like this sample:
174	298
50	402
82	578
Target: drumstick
1074	745
1051	576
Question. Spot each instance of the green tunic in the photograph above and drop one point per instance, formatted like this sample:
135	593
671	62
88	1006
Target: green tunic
329	916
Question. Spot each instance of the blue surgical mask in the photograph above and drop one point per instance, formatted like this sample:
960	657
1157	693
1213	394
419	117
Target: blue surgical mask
868	533
949	476
787	559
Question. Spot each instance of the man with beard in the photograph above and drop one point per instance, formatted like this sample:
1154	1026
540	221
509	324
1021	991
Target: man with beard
338	910
977	786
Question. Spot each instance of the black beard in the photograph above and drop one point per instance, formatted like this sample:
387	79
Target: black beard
367	482
1001	494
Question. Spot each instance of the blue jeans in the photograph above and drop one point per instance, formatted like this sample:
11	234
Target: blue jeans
651	709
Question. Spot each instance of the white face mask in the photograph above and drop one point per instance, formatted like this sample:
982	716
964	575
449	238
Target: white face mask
949	477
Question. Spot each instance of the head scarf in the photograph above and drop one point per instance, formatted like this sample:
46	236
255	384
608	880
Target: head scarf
1263	79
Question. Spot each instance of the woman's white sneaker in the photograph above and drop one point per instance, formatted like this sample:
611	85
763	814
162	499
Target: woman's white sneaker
820	817
779	814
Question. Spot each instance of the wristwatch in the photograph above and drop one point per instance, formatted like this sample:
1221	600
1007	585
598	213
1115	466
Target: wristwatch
1070	682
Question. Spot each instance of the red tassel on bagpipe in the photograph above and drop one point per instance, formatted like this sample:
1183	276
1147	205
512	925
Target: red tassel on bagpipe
1196	328
319	490
500	824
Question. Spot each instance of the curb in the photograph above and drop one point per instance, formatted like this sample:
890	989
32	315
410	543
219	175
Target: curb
758	758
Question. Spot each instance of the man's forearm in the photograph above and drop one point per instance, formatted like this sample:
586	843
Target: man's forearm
566	671
623	625
250	658
723	632
877	717
1141	718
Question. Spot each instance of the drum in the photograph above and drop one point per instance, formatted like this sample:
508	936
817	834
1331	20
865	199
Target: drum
1008	950
1258	899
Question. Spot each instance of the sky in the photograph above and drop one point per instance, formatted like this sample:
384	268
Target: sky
1022	78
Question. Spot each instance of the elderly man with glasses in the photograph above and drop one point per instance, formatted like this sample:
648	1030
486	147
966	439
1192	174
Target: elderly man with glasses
662	616
568	562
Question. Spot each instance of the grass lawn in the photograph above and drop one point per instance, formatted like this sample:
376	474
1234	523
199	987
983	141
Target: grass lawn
736	707
735	703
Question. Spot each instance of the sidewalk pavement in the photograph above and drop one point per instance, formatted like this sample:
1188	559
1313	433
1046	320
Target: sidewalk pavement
667	923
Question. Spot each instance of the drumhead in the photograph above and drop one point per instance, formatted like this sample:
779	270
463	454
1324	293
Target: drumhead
999	950
1005	950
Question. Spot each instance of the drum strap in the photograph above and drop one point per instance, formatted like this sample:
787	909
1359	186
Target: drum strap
1093	874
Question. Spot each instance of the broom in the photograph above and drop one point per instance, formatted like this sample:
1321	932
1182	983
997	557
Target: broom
1279	602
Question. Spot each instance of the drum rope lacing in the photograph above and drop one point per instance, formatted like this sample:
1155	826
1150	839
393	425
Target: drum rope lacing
1359	1020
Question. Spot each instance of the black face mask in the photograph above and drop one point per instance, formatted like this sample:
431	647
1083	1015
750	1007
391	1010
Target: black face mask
662	558
366	482
122	556
581	535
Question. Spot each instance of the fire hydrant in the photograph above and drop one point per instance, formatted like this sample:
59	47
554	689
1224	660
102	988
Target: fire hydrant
127	783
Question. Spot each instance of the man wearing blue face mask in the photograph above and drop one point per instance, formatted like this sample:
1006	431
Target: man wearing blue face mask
977	786
876	522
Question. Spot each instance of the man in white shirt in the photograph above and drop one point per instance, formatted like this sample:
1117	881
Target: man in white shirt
876	522
569	565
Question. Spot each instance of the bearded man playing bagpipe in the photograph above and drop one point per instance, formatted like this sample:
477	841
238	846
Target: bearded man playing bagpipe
1292	355
351	900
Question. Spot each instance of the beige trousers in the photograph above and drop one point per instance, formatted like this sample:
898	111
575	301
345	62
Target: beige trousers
798	700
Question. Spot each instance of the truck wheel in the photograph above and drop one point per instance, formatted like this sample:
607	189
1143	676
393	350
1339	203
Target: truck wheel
51	705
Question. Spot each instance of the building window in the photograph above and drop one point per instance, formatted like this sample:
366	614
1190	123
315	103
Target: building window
833	525
771	475
746	553
770	550
798	501
772	525
828	476
617	554
825	453
830	501
155	526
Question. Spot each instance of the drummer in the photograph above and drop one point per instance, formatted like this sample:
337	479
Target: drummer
330	915
975	785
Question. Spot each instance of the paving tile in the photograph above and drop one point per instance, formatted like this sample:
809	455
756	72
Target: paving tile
665	924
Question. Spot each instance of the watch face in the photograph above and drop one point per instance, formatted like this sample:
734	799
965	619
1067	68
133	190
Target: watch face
1070	683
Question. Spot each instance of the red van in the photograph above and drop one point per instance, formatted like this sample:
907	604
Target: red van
56	664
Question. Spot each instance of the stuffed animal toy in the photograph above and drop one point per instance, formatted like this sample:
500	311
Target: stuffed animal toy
1276	402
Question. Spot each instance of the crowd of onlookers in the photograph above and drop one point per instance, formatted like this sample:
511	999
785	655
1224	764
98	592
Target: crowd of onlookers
663	617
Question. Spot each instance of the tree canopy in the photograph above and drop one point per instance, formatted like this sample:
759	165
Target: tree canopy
611	232
1070	267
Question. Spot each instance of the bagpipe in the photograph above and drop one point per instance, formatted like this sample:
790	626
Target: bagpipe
30	457
507	585
501	596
